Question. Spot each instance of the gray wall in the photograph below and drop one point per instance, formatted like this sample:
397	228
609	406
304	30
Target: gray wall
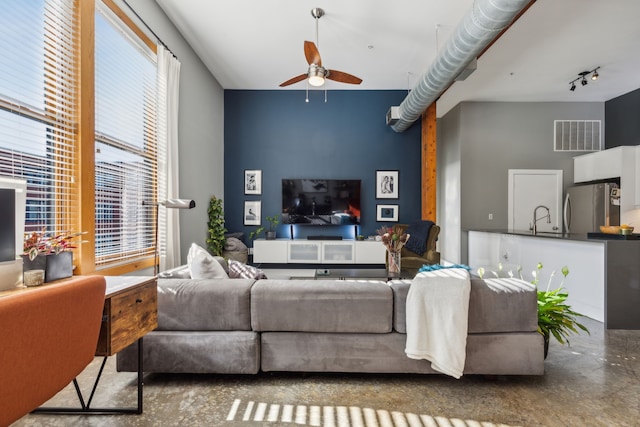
201	127
448	183
494	137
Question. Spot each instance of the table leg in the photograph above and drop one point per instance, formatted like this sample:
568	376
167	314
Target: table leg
87	409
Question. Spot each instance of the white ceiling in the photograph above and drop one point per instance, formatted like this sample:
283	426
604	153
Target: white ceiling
256	45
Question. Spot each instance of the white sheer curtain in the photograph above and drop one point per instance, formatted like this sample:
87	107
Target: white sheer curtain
168	186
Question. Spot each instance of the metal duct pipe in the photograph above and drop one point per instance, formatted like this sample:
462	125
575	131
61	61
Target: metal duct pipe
479	27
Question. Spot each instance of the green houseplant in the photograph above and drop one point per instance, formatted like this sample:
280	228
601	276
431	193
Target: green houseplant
555	316
215	227
271	233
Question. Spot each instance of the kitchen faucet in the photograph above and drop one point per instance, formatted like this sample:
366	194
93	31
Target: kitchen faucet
536	219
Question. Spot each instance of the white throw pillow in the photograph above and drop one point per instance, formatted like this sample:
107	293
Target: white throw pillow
203	265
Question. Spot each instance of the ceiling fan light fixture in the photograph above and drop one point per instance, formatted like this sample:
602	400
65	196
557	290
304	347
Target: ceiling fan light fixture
316	76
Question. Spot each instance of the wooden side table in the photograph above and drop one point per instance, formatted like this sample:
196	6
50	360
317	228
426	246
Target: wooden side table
130	312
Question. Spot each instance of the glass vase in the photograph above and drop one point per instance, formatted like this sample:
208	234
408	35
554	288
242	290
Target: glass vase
394	262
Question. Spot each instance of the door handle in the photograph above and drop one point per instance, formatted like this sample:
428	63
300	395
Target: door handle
567	213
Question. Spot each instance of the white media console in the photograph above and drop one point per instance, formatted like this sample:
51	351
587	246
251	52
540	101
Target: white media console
287	251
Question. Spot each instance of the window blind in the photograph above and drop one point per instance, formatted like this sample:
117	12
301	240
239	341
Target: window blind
37	108
125	142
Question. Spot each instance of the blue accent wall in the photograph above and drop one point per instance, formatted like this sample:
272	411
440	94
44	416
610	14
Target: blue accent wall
345	138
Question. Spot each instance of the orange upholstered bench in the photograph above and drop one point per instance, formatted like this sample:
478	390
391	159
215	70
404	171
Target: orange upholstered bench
48	335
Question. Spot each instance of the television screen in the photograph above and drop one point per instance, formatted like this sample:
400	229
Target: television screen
321	201
7	224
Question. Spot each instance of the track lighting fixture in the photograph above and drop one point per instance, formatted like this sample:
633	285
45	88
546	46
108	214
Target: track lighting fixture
582	76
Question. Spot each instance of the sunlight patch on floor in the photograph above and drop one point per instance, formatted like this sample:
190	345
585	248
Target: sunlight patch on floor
340	416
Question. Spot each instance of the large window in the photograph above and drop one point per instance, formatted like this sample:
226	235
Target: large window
38	107
43	113
126	141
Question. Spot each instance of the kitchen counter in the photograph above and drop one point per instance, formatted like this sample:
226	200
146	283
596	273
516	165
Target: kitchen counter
604	279
579	237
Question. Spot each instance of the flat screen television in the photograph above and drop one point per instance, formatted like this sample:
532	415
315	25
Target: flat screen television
321	201
12	218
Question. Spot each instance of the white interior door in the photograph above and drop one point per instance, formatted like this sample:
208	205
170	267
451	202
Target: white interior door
529	188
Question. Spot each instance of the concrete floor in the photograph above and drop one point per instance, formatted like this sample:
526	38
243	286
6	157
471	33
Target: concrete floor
595	382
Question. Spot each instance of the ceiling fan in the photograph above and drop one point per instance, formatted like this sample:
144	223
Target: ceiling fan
316	72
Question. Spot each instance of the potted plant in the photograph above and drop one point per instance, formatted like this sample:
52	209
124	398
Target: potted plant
50	252
273	223
269	234
215	227
555	317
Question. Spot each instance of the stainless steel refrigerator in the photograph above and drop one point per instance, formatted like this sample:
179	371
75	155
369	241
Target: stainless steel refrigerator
589	206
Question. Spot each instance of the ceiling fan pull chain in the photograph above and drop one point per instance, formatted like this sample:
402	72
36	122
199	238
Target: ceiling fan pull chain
307	98
325	94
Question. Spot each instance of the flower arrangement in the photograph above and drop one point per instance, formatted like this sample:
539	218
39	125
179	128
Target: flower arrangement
392	240
41	243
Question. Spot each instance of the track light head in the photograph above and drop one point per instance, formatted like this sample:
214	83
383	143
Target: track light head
582	77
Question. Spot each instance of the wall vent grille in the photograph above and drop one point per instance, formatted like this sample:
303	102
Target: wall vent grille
577	135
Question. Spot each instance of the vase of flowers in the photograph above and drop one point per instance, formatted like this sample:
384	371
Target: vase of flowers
49	252
393	242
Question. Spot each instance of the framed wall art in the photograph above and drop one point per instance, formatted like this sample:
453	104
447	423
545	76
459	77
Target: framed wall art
387	184
252	181
387	213
252	212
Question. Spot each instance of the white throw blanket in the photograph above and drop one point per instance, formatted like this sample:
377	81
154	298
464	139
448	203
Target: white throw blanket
437	319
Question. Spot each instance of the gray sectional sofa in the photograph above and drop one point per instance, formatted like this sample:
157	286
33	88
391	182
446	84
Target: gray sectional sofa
243	326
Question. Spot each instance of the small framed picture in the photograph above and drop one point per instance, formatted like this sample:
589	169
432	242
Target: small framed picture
387	213
252	181
252	212
387	184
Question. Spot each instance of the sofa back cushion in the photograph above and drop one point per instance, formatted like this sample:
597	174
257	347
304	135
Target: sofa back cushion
204	304
340	306
495	305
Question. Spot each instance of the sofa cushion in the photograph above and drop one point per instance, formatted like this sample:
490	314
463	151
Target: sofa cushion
495	305
203	265
239	270
204	304
519	353
204	352
321	306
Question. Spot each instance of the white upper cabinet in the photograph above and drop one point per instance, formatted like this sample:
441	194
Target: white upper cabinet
619	162
604	164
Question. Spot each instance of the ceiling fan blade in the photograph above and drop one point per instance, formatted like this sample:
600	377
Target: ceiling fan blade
342	77
312	54
293	80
